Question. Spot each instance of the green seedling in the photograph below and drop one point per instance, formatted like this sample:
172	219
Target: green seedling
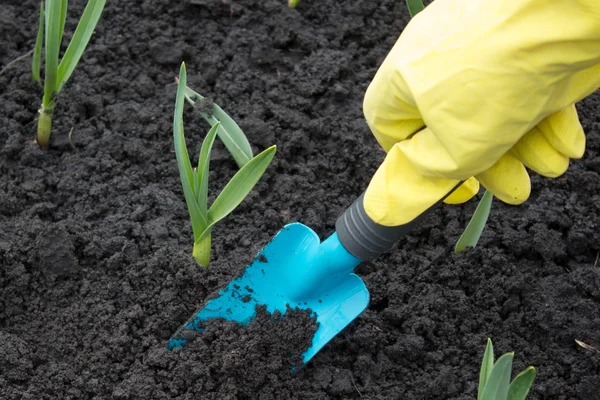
472	233
37	51
494	378
229	132
53	15
293	3
195	181
414	7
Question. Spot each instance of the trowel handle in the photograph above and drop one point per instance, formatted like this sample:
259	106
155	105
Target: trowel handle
366	239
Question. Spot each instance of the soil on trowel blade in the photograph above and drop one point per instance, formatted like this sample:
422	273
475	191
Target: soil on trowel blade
228	360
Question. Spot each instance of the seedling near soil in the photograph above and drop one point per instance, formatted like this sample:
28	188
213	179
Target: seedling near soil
494	378
472	233
229	132
195	181
53	15
414	7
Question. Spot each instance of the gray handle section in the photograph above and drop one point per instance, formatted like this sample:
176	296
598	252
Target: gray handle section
366	239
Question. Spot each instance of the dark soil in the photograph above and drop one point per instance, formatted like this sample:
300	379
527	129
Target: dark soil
96	270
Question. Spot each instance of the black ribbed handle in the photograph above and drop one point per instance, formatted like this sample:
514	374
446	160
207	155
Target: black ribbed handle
363	237
366	239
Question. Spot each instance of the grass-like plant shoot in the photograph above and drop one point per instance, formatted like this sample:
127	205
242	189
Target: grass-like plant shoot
494	378
53	15
37	52
414	7
195	180
472	233
229	132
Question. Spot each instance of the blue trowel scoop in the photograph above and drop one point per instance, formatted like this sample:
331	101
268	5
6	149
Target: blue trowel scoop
297	270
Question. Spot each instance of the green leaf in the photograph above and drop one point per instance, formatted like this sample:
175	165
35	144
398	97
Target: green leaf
202	171
486	367
63	19
414	7
81	37
520	386
496	387
230	133
37	51
234	133
238	187
472	233
52	15
186	174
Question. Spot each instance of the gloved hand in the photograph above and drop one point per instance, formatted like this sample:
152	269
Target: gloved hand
480	89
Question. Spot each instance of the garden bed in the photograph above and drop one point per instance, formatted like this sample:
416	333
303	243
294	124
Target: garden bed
96	270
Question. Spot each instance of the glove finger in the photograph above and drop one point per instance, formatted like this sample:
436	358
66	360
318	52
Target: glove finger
507	179
578	86
398	192
564	132
435	158
535	151
391	116
464	192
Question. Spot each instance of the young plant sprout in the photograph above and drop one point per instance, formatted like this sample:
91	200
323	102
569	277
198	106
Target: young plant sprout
472	233
229	132
293	3
37	51
195	181
53	15
414	7
494	378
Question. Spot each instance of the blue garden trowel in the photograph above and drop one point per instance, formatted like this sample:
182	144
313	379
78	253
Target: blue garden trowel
295	269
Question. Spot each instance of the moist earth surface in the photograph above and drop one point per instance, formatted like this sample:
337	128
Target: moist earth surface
96	270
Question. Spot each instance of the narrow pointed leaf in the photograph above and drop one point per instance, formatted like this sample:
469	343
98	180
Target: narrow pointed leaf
496	387
80	40
238	187
472	233
52	47
63	18
486	367
233	131
202	171
230	133
183	161
37	51
520	386
414	7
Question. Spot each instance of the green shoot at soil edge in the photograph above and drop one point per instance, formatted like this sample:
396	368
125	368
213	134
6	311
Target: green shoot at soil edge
53	15
195	181
414	7
473	231
494	378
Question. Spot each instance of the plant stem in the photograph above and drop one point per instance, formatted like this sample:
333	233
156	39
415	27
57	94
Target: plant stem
45	124
201	250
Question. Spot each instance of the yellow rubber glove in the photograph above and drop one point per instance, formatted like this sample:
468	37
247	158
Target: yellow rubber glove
480	88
